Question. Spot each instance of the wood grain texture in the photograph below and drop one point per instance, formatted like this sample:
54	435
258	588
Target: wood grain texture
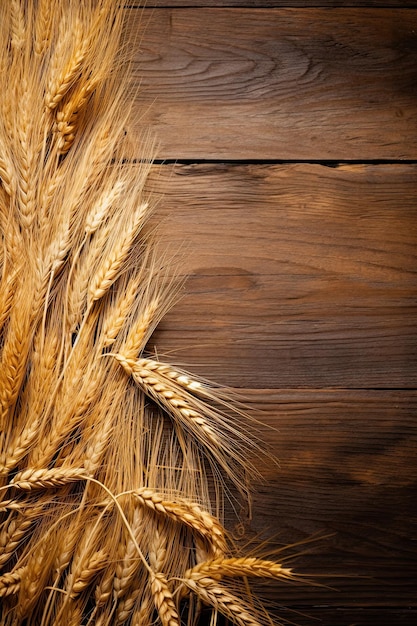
302	4
268	4
299	275
342	616
338	616
302	278
218	83
347	479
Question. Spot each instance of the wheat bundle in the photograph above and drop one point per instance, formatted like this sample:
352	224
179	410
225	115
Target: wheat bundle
113	465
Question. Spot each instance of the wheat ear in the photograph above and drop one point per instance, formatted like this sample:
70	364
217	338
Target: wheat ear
44	362
164	602
47	478
143	615
118	314
127	605
63	75
43	26
18	29
83	577
7	294
10	582
139	332
187	513
36	574
171	397
15	530
234	567
212	594
110	268
72	616
129	563
104	589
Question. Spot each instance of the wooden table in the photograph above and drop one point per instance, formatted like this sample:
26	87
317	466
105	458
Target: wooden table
287	174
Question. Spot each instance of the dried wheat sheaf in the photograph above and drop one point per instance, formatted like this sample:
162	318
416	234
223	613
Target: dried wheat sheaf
114	467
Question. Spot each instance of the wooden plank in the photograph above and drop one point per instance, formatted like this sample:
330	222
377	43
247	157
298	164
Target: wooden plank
278	83
299	275
347	480
343	616
302	4
338	616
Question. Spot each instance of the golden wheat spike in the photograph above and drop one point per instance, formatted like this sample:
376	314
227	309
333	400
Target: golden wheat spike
220	599
236	567
10	582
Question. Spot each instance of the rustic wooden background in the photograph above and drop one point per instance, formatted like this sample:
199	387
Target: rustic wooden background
287	171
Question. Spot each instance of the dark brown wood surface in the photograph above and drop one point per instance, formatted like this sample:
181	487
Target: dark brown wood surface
302	287
222	83
297	276
346	474
304	4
